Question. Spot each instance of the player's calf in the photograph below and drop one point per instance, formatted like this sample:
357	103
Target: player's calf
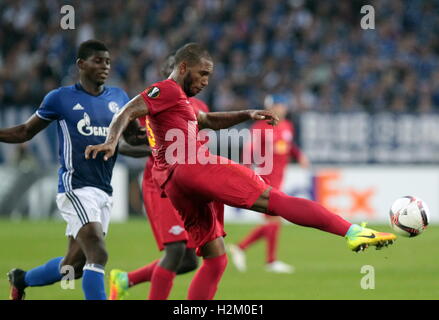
91	240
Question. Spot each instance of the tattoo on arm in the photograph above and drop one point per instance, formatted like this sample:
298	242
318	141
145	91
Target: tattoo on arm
134	109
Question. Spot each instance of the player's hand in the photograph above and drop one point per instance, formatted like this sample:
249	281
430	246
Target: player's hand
271	118
108	149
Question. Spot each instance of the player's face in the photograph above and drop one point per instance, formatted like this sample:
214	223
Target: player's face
197	77
97	67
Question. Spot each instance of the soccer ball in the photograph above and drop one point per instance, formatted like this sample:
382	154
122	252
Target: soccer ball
409	216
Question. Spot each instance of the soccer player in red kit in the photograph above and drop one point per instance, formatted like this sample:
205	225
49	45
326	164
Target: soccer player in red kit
166	224
193	178
283	148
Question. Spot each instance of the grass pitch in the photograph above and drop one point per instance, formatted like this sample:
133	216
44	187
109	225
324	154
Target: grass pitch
325	268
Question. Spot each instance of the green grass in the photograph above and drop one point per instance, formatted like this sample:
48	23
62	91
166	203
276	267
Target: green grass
325	268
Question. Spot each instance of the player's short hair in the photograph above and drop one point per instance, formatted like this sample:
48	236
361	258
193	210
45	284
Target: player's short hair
272	99
167	66
191	53
87	48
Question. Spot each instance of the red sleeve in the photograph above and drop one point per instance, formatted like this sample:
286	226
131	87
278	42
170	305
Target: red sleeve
161	96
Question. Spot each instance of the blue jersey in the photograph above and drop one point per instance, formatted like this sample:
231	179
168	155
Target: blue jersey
82	120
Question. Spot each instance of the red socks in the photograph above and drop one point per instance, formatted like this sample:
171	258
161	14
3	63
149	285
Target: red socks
161	280
270	231
306	213
272	237
205	282
161	283
142	274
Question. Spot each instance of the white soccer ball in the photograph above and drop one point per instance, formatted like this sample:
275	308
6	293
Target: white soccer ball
409	216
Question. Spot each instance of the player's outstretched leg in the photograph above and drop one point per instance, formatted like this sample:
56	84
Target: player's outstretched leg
205	282
48	273
311	214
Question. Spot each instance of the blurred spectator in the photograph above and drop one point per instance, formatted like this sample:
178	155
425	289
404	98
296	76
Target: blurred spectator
313	51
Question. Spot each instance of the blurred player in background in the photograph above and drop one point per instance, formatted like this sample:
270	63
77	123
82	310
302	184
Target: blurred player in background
168	228
284	149
83	112
192	185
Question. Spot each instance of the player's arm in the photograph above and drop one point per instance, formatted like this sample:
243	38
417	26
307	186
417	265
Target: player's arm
138	151
132	110
223	120
23	132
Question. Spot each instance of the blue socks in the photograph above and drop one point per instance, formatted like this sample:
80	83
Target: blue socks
92	278
93	282
44	275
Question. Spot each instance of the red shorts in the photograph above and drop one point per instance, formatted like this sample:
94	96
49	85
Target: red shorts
165	221
194	189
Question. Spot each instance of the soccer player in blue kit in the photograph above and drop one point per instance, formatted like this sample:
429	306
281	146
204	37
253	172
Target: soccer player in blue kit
83	112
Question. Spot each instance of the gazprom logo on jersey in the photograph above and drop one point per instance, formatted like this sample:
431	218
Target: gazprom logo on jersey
113	106
86	129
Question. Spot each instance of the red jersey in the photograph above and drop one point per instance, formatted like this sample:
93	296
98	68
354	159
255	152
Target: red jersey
159	97
282	145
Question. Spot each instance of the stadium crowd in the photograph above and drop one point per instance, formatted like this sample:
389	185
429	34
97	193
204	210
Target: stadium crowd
314	52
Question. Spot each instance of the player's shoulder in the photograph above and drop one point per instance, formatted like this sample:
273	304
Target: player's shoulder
163	89
60	90
117	93
59	93
198	104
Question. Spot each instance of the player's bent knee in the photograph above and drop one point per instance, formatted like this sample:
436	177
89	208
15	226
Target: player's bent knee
101	257
174	254
189	263
96	254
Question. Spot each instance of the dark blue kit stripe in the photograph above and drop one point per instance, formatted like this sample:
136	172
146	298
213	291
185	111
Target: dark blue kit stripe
78	207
